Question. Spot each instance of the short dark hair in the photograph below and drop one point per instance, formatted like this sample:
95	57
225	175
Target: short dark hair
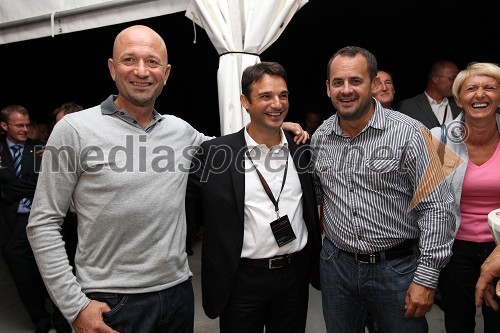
438	67
352	51
254	73
68	108
10	109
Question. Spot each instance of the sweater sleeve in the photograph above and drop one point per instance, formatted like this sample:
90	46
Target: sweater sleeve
57	180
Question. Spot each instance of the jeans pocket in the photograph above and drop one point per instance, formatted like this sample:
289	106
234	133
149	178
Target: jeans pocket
328	250
114	301
404	265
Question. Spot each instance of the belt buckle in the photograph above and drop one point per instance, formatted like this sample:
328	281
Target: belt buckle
278	259
371	260
273	260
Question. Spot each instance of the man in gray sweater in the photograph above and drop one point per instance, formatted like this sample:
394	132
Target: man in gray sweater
125	166
120	161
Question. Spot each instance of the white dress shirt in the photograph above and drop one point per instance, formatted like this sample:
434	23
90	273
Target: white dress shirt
440	109
258	239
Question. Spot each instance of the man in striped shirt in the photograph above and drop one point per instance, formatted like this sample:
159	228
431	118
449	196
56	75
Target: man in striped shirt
388	218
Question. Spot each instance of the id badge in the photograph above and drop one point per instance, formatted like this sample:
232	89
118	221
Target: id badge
282	231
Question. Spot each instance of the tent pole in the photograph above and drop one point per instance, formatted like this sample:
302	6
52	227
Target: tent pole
72	12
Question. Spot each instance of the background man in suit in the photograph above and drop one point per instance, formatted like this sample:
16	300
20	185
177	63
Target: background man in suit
435	105
261	236
18	181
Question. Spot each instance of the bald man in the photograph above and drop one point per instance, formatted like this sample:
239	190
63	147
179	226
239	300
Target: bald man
122	163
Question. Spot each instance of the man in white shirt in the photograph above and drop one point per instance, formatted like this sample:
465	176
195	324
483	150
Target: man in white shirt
435	105
261	237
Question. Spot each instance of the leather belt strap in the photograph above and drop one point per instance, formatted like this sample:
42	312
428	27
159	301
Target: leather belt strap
401	250
271	263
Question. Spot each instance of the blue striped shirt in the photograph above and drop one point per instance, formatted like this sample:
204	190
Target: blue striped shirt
368	183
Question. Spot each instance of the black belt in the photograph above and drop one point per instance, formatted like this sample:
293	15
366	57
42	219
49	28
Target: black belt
272	263
401	250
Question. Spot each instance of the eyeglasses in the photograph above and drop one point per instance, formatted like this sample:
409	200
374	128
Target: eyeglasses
20	126
451	78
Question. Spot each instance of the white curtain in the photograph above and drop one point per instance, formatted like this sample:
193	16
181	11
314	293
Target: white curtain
240	30
28	19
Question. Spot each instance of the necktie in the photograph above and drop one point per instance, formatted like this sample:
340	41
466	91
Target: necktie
16	149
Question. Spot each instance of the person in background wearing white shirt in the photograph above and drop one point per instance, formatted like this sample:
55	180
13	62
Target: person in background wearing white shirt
435	105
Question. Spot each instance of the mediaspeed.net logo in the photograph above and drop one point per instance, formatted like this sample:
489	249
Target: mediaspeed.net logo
443	160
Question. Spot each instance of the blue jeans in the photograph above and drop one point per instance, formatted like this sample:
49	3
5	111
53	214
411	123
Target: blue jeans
167	311
350	288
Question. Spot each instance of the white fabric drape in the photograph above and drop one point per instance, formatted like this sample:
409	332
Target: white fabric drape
29	19
240	30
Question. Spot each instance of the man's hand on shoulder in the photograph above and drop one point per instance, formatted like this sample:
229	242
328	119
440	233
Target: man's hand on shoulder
90	319
301	136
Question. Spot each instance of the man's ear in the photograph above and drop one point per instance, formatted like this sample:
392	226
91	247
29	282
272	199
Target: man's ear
111	67
167	73
4	125
245	102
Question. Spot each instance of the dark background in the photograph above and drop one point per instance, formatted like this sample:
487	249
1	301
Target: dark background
405	36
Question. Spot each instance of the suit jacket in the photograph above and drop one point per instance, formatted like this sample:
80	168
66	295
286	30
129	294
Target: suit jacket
418	108
217	175
13	189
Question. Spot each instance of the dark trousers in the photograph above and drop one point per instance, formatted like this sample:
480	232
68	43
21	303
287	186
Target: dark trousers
457	284
166	311
22	265
274	298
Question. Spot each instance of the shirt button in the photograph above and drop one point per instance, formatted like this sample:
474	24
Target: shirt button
122	113
355	213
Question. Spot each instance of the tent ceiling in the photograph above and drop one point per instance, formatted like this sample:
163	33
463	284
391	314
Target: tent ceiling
28	19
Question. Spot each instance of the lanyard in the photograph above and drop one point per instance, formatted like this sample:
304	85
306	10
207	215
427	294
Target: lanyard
445	113
266	186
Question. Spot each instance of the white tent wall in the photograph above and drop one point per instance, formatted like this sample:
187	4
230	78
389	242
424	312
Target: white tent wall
28	19
240	31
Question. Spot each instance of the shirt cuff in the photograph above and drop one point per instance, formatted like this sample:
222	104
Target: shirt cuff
426	276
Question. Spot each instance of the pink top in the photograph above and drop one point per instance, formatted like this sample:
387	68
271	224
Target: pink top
480	195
